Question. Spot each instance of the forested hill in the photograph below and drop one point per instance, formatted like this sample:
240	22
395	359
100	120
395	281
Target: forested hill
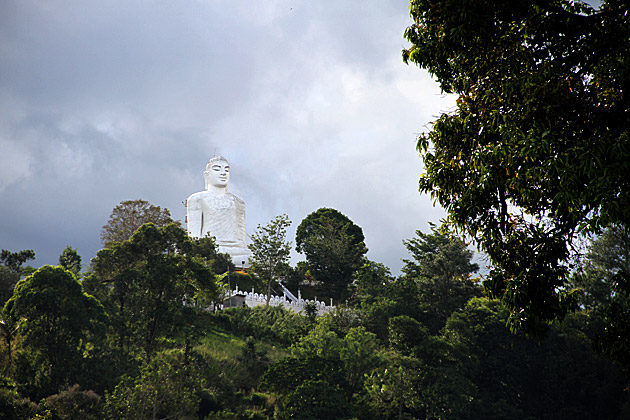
140	335
531	166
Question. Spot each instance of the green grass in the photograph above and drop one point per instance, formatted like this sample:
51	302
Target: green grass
223	346
220	345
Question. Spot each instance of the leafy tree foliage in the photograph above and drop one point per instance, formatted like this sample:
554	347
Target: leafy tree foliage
356	351
378	296
70	260
438	254
605	280
297	276
286	374
334	248
13	405
322	361
11	270
151	285
561	378
168	387
59	326
270	250
128	216
14	260
8	332
207	250
269	323
406	334
253	360
538	148
421	345
442	269
315	400
606	266
75	403
395	392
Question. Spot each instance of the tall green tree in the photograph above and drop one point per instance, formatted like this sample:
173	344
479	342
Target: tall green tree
442	269
377	296
11	270
151	286
538	148
334	247
270	250
59	326
70	260
128	216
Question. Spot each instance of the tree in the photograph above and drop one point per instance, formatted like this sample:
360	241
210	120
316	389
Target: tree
325	361
270	250
70	260
11	270
356	350
334	247
75	403
12	405
293	379
605	280
606	264
315	400
128	216
376	297
60	324
441	269
151	286
8	332
253	360
168	387
206	248
515	377
537	149
396	391
438	254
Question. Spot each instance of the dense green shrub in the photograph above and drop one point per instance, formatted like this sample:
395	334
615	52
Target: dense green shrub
262	322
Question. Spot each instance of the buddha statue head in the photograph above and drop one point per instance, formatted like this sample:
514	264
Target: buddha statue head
217	173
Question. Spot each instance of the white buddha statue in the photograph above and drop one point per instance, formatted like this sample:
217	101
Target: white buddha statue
219	213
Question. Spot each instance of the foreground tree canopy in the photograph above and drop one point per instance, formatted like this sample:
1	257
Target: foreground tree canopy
537	151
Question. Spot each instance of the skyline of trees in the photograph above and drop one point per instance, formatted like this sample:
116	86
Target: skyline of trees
420	345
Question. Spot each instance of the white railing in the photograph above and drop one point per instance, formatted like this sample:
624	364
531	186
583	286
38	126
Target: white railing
297	304
287	292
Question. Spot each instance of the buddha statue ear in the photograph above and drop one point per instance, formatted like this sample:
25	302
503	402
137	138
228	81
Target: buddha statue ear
205	179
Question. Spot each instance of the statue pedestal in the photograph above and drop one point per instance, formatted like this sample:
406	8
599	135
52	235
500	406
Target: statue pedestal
239	259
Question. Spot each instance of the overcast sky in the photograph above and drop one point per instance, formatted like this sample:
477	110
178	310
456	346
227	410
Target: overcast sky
309	101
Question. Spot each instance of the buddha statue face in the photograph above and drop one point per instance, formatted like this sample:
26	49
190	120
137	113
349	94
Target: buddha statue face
217	172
